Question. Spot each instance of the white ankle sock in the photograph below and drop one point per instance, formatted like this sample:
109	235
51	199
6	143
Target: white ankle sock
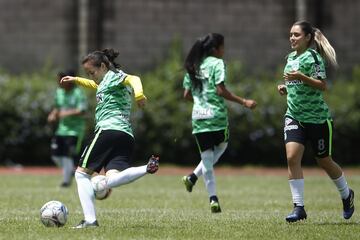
127	176
86	195
342	186
297	191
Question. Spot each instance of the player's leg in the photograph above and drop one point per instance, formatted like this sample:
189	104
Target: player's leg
87	198
322	146
90	161
55	151
294	137
218	152
116	178
207	157
216	139
118	170
70	143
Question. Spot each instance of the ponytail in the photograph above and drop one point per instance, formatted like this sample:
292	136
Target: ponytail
201	49
324	48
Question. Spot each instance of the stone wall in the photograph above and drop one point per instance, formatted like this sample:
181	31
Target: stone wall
36	32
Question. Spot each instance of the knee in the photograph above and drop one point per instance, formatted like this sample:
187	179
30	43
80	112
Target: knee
293	160
207	168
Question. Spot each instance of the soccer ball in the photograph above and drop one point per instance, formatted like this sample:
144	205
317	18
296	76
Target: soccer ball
53	214
99	185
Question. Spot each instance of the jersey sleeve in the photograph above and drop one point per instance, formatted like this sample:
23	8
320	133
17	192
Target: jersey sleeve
135	83
314	66
86	82
187	82
219	72
318	71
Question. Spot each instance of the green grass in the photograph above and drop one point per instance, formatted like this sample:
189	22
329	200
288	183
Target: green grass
158	207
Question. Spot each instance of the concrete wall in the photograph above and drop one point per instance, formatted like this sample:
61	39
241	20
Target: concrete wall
34	32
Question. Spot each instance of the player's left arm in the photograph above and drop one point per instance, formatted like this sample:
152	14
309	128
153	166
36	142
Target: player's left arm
313	82
135	83
80	81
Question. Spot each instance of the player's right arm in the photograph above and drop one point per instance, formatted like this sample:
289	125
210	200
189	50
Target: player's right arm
80	81
222	91
188	95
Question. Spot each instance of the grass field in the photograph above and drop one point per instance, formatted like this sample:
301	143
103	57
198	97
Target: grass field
158	207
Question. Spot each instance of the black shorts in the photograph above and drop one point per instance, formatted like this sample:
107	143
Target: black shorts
109	149
319	135
68	146
208	140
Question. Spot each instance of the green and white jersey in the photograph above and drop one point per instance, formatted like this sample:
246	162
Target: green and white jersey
113	103
73	99
209	110
305	103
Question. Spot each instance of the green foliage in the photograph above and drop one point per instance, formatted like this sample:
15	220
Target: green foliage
25	101
158	207
164	126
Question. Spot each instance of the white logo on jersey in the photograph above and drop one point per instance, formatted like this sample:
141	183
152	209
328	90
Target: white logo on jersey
202	113
294	65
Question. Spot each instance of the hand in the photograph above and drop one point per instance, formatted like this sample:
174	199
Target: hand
67	79
293	75
141	102
52	117
249	103
282	89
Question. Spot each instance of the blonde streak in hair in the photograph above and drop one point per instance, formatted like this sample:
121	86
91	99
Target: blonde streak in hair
325	49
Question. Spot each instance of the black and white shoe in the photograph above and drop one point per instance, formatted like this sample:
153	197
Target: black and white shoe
348	205
297	214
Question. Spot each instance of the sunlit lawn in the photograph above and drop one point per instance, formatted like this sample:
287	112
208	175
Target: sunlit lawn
158	207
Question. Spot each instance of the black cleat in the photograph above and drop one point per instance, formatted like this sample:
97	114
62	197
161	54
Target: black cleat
348	205
85	224
297	214
65	184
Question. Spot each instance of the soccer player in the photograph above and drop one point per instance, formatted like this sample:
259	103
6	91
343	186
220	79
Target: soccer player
204	84
112	145
68	114
307	117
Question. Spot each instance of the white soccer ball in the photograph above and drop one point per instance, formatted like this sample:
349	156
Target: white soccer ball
100	188
54	214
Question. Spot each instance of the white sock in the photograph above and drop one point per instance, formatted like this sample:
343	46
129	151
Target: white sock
218	151
56	160
342	186
68	169
86	195
127	176
208	171
297	191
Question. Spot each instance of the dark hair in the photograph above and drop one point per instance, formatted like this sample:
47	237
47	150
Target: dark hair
202	48
321	43
106	56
